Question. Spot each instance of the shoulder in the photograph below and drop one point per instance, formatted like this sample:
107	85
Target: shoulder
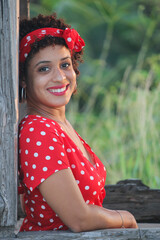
30	121
34	125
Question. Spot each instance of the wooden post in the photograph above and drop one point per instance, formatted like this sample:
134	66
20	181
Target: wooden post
9	28
24	13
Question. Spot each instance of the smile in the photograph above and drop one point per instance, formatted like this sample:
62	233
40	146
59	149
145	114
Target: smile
58	90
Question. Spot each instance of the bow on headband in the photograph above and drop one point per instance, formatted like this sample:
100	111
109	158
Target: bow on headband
71	37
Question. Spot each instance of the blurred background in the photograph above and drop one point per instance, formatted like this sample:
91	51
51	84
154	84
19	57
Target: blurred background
117	106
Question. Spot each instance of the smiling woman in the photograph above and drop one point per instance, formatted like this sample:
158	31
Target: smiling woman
61	178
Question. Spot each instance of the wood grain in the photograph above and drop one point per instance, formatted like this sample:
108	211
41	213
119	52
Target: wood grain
8	114
148	233
134	196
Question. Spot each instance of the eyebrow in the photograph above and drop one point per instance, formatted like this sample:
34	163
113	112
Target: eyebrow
62	59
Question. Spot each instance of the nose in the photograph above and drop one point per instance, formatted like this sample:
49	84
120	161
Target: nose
59	75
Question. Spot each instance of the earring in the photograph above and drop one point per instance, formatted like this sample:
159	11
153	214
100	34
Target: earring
23	94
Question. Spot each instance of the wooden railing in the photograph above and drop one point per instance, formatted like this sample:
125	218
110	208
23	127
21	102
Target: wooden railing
134	196
143	233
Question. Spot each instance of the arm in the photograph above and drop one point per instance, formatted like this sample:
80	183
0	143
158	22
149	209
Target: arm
63	195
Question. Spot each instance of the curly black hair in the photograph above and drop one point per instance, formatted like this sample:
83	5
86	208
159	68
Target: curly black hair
27	26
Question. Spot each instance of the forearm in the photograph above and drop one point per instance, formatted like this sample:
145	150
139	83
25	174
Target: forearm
74	212
101	218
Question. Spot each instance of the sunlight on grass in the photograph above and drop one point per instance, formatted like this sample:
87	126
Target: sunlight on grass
125	135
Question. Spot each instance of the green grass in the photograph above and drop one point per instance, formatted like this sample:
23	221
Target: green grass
125	134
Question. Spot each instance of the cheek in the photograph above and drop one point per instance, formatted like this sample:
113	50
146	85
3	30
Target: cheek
74	83
73	76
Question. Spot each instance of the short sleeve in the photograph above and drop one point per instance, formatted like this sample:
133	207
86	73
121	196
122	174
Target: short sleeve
41	152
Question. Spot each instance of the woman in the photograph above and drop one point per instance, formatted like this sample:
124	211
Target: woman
62	179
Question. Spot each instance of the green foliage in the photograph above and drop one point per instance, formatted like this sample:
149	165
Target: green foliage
117	105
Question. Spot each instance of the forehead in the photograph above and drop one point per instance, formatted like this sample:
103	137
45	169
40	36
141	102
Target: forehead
51	53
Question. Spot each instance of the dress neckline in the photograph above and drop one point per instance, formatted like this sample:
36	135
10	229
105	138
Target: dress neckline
86	146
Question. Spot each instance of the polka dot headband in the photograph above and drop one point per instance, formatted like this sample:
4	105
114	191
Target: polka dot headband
71	37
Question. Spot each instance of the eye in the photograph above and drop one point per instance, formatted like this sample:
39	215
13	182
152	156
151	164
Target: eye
65	65
43	69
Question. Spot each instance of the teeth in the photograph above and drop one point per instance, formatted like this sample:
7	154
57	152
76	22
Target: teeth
58	90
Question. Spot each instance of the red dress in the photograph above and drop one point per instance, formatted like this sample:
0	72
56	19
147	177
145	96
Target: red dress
44	148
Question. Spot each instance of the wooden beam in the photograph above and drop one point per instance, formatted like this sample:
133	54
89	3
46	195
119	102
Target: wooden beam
24	13
1	206
143	233
134	196
9	13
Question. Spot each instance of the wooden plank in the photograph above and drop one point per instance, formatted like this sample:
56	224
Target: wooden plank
134	196
66	235
150	234
109	234
152	228
9	11
1	206
24	13
7	233
149	225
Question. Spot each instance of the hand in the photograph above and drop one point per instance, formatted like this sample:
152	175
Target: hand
128	219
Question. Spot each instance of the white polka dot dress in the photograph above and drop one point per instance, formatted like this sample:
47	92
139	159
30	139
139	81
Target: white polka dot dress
44	148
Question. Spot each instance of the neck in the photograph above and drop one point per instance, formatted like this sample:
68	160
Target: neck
56	115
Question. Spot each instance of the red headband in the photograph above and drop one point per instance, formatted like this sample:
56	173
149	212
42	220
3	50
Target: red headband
71	37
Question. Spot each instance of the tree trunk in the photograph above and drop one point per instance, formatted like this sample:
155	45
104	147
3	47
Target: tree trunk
9	13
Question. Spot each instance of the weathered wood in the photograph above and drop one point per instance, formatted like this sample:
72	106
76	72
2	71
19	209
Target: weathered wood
24	13
9	11
100	234
7	233
145	233
1	206
134	196
110	234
